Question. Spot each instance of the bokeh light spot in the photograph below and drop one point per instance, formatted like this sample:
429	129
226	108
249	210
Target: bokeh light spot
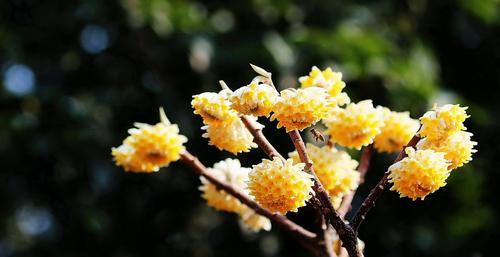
33	221
19	80
94	39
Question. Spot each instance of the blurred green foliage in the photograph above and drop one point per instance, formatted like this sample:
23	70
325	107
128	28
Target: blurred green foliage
76	74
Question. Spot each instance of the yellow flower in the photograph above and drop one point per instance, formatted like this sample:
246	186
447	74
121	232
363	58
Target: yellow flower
398	130
254	99
335	169
280	187
232	136
229	171
329	80
301	108
420	173
253	221
457	147
150	147
214	108
443	121
355	126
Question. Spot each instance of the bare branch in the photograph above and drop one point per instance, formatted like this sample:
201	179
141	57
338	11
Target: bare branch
364	164
375	193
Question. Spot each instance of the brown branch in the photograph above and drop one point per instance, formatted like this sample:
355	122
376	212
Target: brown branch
345	232
375	193
364	164
279	220
260	139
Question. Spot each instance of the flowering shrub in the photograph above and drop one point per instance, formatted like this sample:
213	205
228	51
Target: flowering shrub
325	177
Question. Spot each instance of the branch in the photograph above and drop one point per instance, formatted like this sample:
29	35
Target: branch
375	193
279	220
260	139
364	164
346	234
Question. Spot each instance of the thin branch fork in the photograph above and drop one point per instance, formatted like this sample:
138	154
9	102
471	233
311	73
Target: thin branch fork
260	139
364	164
377	191
281	221
346	234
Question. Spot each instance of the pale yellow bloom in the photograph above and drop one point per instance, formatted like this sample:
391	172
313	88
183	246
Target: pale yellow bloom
229	171
214	108
443	121
254	99
301	108
231	136
280	187
420	173
399	128
253	221
457	147
150	147
329	80
356	125
335	169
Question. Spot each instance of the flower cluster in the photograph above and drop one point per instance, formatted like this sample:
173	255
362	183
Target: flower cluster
334	168
301	108
224	129
443	121
255	99
356	125
399	128
445	146
421	173
329	80
280	186
150	147
231	172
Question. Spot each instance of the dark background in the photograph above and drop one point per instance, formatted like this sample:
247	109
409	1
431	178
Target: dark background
76	74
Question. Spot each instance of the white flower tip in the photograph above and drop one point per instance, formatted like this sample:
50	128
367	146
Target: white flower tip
224	85
260	71
163	117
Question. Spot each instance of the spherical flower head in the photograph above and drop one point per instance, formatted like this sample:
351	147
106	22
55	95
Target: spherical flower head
457	147
214	108
229	171
399	128
355	126
150	147
232	136
335	169
254	99
329	80
420	173
254	222
280	187
443	121
301	108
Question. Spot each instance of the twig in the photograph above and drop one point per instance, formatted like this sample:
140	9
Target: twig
375	193
345	232
260	139
279	220
364	164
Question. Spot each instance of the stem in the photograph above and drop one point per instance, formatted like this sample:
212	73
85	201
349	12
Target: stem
346	234
260	139
364	164
375	193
